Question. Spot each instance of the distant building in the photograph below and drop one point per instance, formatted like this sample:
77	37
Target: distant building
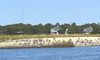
55	30
88	30
19	32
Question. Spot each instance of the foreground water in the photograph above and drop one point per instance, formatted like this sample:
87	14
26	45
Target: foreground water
75	53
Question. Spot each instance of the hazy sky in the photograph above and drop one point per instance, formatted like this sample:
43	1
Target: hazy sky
49	11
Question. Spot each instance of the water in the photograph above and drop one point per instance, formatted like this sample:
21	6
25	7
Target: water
75	53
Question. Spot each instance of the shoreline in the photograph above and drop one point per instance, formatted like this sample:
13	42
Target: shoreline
51	42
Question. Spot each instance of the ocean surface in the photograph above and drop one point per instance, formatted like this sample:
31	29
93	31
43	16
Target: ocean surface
73	53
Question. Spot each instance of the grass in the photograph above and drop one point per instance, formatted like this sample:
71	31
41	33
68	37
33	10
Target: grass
14	37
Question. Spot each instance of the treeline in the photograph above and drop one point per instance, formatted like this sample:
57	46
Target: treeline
45	29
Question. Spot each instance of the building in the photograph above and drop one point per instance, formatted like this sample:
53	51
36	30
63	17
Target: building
88	30
55	30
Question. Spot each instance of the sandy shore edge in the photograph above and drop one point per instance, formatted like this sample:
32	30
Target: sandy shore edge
51	42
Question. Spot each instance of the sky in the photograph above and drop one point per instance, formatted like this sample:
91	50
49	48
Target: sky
49	11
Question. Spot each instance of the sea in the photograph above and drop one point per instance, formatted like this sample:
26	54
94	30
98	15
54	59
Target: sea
69	53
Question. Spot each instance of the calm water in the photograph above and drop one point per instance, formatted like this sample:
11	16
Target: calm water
76	53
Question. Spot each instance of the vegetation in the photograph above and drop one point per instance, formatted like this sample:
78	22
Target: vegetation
63	44
45	29
23	31
14	37
27	31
